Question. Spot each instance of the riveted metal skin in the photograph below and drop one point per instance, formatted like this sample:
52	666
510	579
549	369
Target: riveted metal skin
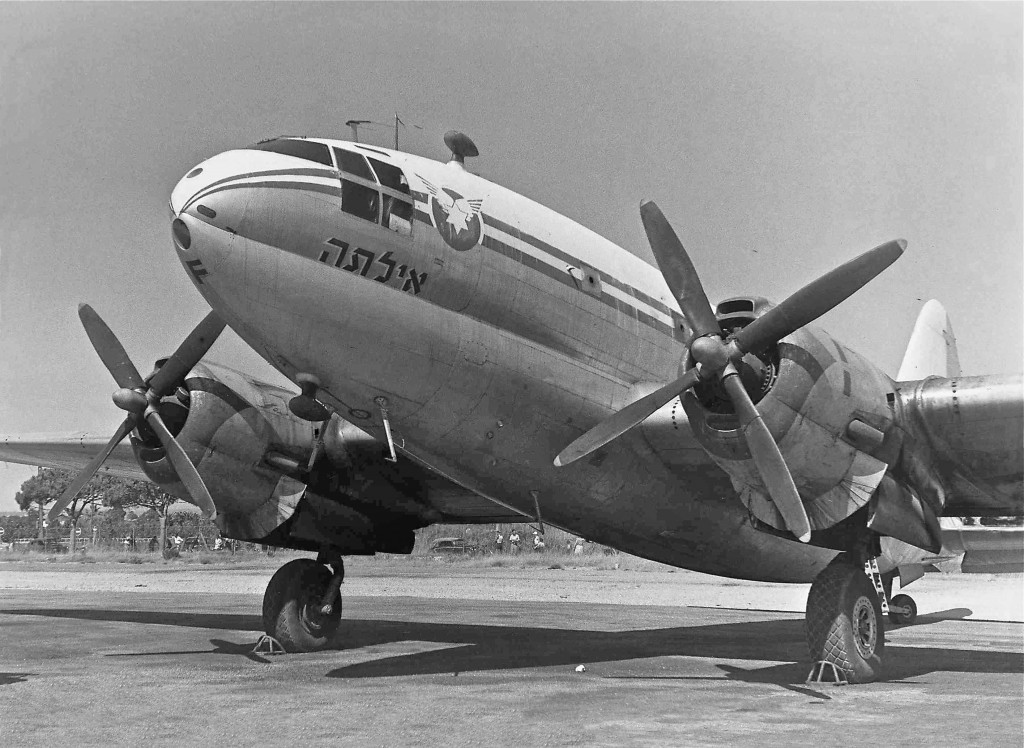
974	429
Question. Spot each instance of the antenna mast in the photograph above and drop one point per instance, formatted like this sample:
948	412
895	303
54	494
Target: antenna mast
354	124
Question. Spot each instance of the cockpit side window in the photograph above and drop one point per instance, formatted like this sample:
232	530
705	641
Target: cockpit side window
397	206
359	200
353	163
380	194
390	175
304	149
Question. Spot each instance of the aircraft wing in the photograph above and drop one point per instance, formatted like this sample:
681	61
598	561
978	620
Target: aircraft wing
69	452
455	504
975	426
459	505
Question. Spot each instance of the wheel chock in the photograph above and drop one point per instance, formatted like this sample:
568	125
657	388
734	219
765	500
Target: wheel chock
268	645
821	669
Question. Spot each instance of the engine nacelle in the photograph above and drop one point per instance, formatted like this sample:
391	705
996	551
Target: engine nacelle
274	478
239	435
829	410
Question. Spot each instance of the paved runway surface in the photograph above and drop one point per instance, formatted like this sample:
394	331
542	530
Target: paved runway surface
105	667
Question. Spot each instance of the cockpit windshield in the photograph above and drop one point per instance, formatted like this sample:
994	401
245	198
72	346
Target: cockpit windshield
304	149
371	189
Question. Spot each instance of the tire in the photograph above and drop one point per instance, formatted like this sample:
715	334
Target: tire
903	601
844	622
291	607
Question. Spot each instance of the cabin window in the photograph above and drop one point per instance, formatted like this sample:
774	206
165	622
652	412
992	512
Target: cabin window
304	149
353	163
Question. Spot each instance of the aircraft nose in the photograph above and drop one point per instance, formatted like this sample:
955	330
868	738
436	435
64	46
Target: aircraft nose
187	186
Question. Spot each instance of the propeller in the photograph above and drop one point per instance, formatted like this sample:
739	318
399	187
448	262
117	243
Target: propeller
716	357
141	398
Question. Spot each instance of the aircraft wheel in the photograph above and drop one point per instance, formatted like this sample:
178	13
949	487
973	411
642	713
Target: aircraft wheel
291	607
903	601
844	622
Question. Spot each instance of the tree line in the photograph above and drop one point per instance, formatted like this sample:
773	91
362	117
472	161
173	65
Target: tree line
107	504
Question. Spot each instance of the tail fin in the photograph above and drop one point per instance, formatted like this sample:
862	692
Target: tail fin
932	347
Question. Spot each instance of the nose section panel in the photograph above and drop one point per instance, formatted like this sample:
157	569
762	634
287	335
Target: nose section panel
211	172
188	186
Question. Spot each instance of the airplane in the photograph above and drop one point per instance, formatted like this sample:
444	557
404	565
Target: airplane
463	354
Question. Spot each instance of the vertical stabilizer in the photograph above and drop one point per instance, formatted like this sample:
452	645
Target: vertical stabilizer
931	351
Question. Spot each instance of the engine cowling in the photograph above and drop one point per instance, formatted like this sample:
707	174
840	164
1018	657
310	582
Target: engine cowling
276	478
828	408
233	430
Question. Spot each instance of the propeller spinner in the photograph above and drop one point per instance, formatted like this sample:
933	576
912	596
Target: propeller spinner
141	398
715	357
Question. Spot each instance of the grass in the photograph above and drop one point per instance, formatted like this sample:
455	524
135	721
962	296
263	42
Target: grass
102	556
550	560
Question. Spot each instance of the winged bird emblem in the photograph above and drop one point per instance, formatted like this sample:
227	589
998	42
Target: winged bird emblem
457	219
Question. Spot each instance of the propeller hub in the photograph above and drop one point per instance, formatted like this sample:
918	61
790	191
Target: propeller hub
710	352
130	400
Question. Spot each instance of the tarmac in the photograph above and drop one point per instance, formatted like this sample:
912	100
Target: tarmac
493	659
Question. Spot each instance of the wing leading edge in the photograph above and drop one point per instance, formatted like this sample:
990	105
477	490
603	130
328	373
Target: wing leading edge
69	452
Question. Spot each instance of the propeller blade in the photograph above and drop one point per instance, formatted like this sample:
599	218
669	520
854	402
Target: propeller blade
678	271
109	349
619	423
90	470
769	460
818	297
191	350
183	466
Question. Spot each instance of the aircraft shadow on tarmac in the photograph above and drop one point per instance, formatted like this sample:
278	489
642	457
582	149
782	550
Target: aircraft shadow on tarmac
7	679
488	647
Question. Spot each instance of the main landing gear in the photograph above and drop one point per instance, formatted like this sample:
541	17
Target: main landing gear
845	624
302	604
845	629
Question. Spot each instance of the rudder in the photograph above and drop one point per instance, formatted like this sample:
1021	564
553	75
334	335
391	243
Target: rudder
931	351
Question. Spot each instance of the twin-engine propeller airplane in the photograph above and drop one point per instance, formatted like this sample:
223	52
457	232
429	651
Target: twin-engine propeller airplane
467	355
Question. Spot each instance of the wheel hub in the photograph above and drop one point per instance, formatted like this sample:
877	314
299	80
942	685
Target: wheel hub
312	617
865	626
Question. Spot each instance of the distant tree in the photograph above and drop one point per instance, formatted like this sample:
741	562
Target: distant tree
18	526
38	490
48	484
146	495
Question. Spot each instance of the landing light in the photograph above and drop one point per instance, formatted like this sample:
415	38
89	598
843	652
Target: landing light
181	233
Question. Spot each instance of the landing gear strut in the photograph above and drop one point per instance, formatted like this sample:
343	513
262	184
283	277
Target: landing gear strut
901	609
302	604
844	621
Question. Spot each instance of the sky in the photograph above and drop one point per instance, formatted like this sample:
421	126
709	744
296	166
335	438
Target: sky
779	139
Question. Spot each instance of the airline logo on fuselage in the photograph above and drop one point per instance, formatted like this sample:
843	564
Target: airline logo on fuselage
456	218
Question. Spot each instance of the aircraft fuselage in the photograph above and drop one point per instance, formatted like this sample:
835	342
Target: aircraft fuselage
493	330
